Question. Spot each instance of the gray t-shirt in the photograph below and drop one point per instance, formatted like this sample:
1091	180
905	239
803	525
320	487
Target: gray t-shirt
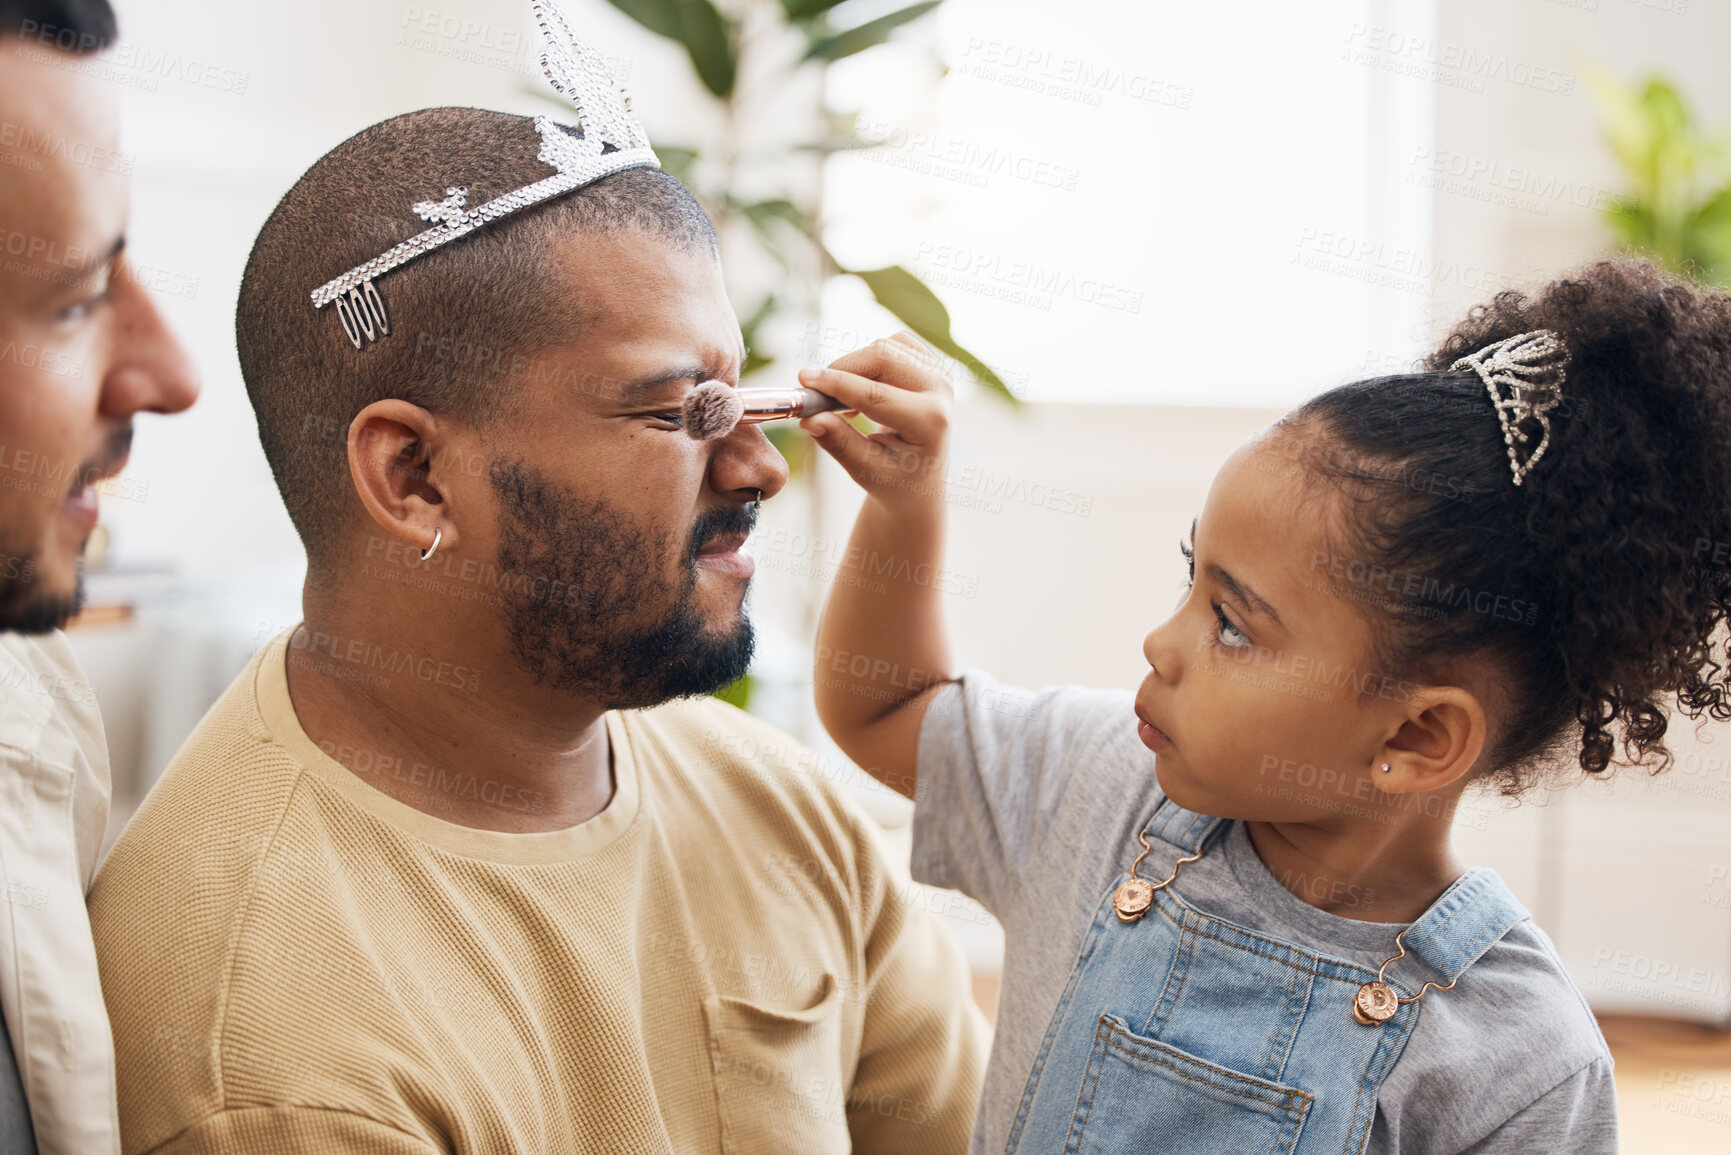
1030	804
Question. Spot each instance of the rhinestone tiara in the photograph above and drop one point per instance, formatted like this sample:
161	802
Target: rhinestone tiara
612	141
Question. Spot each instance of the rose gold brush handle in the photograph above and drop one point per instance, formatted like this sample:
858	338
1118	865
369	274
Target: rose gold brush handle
782	404
714	409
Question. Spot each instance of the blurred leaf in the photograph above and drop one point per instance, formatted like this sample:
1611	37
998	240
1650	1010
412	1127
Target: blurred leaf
677	161
1620	111
748	328
1632	223
791	443
709	39
803	9
737	694
1678	207
917	307
1709	234
867	35
659	16
697	24
840	133
764	214
839	144
1715	215
1662	106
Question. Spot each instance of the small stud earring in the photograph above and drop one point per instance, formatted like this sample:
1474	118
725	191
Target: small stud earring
1385	767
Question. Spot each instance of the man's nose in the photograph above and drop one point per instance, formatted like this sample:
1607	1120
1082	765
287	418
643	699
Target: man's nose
745	460
148	370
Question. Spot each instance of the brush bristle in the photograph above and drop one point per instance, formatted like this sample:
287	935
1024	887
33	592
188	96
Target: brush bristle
712	410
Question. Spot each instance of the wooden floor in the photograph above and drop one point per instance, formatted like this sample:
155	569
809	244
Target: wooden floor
1673	1081
1673	1085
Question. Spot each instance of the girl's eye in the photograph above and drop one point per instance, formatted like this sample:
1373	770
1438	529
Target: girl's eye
1189	561
1230	635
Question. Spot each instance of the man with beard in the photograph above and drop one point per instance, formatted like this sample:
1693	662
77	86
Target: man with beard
458	864
82	350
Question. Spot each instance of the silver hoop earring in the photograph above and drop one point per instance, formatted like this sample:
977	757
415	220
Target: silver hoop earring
759	499
440	533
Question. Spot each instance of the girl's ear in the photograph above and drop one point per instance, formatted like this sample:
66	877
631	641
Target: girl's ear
1438	742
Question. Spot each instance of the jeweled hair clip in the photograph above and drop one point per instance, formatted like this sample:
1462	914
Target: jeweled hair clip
1530	367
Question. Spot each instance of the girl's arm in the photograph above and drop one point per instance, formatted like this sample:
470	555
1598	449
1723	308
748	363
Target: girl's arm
882	649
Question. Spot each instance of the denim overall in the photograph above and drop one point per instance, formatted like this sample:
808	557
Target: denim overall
1183	1034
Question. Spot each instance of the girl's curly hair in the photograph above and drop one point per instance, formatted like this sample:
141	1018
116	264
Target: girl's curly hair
1597	587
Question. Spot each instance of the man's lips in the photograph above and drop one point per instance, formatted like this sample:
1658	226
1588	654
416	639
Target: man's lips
93	473
1152	736
726	555
82	506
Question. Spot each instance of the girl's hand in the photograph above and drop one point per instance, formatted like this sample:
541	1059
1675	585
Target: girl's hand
904	385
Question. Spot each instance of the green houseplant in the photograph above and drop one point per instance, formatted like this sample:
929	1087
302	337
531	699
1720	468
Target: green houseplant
1678	209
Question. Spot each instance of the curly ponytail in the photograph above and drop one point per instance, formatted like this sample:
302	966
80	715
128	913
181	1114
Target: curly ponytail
1619	540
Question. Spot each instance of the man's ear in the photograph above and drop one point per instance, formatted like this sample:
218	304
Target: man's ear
391	447
1437	741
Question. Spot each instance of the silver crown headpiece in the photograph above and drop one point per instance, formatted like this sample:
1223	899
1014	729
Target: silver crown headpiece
612	140
1530	367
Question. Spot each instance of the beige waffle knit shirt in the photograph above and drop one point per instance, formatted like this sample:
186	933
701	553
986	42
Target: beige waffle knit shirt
721	961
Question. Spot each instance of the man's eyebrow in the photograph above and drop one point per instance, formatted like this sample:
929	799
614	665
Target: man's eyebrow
102	260
57	288
86	270
114	250
1242	592
631	390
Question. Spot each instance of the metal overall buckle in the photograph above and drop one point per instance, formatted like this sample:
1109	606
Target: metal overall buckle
1376	1003
1136	894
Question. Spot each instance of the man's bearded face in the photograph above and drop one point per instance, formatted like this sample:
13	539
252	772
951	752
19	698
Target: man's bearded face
620	624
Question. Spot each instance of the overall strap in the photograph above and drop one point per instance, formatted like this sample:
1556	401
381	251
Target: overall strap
1183	828
1465	922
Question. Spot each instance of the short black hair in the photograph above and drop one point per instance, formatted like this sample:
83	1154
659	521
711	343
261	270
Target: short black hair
69	25
1599	588
460	317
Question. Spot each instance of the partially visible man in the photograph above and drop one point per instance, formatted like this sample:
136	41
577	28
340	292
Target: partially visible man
81	351
457	865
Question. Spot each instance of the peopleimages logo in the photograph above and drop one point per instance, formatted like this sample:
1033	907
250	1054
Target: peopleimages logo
357	660
58	146
148	65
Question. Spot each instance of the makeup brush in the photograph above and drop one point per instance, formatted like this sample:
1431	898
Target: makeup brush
713	409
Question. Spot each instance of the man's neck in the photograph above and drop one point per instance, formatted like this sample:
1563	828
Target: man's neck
456	740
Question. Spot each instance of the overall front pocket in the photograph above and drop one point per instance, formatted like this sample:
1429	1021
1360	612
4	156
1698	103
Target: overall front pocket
1140	1094
779	1079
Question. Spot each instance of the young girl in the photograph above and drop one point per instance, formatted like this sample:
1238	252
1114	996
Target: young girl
1233	919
